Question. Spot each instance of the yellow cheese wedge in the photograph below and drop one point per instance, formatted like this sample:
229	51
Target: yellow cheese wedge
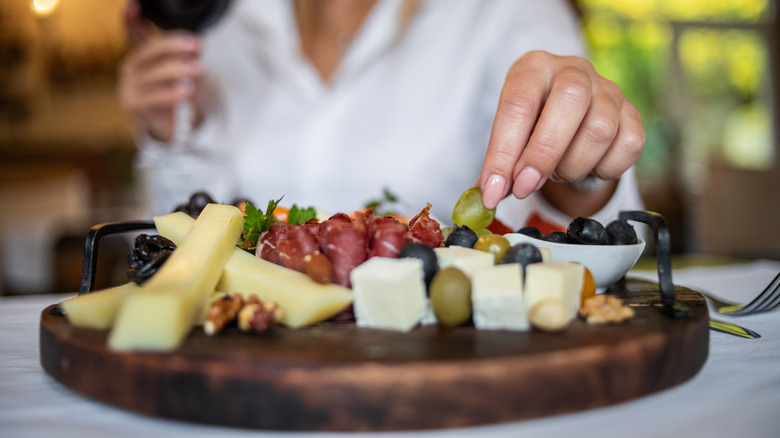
97	310
163	312
303	301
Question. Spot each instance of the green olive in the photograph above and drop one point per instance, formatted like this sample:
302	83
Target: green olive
450	295
495	244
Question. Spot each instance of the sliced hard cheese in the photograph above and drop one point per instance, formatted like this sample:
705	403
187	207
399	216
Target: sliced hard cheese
497	298
162	313
174	226
97	310
303	301
559	280
468	260
389	293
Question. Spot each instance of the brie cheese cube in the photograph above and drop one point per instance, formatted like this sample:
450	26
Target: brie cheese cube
497	298
560	280
468	260
389	293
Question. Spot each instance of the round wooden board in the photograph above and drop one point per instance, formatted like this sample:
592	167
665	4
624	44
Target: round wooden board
342	377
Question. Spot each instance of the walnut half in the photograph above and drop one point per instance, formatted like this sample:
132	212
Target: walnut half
605	309
258	316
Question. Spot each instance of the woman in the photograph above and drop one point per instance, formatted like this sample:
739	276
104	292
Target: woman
327	102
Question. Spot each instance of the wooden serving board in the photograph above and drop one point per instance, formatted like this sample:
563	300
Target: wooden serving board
337	376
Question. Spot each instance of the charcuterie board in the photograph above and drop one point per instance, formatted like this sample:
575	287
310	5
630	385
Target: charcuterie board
337	376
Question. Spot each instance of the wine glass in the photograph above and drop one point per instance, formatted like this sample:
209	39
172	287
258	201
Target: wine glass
171	174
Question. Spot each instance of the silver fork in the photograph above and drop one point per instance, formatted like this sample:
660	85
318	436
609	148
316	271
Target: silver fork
767	300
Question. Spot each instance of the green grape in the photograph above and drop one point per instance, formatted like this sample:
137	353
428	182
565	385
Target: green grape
495	244
470	211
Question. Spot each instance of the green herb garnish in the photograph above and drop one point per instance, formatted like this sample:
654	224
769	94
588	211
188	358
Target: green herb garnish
300	215
256	222
380	206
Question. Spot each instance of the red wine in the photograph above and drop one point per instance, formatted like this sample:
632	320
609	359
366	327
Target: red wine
192	15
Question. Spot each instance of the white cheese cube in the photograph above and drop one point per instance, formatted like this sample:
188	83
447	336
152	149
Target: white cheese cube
468	260
560	280
389	293
497	298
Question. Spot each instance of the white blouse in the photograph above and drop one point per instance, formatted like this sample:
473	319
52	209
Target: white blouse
408	112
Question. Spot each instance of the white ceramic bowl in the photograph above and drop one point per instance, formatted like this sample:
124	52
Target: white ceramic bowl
607	263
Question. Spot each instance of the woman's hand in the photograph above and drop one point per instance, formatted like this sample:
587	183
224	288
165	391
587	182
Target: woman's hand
159	72
558	119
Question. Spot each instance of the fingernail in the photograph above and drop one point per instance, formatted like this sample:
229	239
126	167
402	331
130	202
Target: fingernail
493	191
527	182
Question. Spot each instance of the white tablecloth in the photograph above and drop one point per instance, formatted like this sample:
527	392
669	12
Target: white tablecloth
736	394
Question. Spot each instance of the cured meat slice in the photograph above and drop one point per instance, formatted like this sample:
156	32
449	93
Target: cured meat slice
346	245
387	239
299	243
325	227
267	243
424	229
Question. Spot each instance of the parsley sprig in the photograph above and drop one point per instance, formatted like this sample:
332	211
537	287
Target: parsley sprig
256	222
300	215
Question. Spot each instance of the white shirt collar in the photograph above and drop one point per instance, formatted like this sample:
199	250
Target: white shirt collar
272	22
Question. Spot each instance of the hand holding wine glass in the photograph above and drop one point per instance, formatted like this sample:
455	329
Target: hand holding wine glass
157	80
157	86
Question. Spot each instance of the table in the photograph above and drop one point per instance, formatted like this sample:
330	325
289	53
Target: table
736	394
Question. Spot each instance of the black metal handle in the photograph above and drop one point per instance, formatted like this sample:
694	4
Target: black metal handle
89	263
663	245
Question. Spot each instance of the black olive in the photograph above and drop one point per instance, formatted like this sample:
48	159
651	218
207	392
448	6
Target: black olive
426	254
531	231
198	202
620	232
148	255
462	235
555	237
586	231
523	253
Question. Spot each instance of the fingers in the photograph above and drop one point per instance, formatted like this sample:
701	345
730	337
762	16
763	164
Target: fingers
558	119
626	147
519	105
157	75
592	140
563	113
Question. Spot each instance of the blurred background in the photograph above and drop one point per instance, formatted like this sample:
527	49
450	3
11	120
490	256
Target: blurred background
704	73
